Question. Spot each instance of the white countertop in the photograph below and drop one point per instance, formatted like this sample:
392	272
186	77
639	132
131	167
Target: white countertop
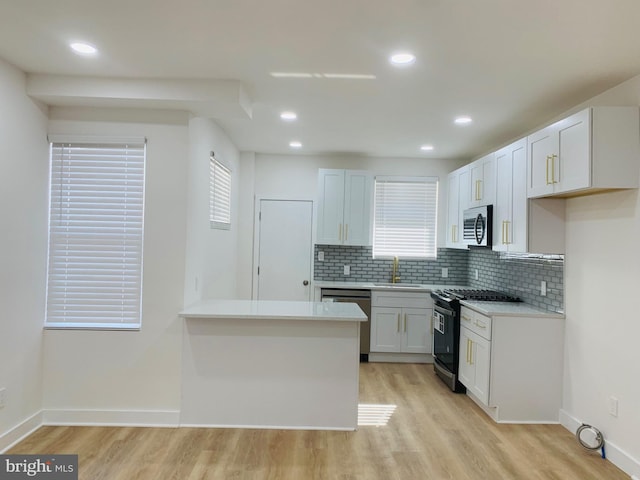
511	309
275	310
408	287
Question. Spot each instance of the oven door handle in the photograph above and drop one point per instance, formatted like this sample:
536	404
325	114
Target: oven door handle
444	311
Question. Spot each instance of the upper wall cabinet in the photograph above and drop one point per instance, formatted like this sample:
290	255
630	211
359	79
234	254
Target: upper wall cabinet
521	224
458	189
595	149
344	207
483	186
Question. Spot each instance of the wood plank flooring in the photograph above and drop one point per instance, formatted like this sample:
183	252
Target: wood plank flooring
432	434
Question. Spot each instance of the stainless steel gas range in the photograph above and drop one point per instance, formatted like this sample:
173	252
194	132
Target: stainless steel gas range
446	329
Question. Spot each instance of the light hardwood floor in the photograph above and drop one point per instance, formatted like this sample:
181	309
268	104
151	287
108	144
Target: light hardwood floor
432	434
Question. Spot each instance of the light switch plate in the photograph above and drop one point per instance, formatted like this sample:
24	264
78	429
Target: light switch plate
321	256
543	288
347	270
445	272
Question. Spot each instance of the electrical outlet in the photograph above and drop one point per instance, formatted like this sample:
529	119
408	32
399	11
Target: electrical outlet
543	288
445	272
476	274
321	256
347	270
613	406
3	397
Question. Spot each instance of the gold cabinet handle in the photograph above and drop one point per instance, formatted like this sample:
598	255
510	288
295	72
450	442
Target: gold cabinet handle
405	323
465	318
398	329
505	232
553	168
470	352
346	232
479	189
453	233
480	325
546	173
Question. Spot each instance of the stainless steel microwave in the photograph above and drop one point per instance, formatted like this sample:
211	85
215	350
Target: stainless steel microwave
477	226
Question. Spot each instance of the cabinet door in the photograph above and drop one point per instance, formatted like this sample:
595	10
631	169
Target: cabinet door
480	362
483	181
572	168
542	145
385	329
416	330
330	207
517	232
453	208
502	216
466	370
357	208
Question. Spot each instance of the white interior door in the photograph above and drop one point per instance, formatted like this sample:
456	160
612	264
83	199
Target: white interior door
285	250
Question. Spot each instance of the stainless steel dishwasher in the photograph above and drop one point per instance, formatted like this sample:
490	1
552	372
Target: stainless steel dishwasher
363	299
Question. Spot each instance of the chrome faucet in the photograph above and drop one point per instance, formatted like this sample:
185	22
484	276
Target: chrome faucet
395	274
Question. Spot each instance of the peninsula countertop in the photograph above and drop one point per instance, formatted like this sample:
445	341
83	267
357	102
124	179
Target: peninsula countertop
275	310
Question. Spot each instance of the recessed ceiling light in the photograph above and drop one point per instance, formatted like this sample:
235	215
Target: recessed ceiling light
403	58
463	120
288	116
295	144
82	48
426	148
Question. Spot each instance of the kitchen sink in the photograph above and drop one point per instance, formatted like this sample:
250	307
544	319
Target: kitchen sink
403	285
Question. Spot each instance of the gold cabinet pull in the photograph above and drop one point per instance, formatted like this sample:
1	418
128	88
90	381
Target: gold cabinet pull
546	173
553	168
465	318
398	329
470	352
505	232
453	233
480	325
346	232
405	323
340	232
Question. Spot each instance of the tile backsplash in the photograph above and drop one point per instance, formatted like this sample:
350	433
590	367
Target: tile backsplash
364	268
517	276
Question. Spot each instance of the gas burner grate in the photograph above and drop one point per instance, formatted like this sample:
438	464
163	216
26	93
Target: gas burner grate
481	295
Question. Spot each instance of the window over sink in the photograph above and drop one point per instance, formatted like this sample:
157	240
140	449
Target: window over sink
405	217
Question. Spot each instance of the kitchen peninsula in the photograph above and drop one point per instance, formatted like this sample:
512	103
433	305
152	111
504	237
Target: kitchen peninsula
271	364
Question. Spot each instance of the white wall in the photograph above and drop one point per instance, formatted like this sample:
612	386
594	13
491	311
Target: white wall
211	254
24	175
106	371
602	282
295	177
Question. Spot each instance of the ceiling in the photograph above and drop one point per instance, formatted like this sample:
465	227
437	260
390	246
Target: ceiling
510	65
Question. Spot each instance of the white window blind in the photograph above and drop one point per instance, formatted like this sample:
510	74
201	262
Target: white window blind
405	217
95	235
219	195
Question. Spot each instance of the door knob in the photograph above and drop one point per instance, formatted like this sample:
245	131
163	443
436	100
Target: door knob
305	282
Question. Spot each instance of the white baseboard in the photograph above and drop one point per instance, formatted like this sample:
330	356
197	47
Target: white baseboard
115	418
269	427
20	431
614	454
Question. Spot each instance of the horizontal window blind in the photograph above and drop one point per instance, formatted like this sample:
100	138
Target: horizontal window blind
95	235
219	195
405	217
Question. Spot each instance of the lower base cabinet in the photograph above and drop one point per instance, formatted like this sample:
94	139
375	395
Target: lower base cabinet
512	365
400	322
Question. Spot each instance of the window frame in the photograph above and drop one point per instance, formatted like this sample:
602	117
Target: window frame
431	211
220	185
93	181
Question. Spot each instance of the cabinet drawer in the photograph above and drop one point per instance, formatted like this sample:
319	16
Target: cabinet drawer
401	299
476	322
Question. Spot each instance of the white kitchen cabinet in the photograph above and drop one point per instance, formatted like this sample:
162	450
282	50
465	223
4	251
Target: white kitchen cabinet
595	149
512	364
401	322
344	207
458	190
483	183
519	224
